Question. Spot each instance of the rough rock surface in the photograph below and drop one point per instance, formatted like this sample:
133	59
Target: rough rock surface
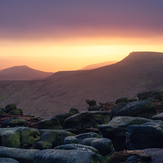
145	109
147	135
21	155
116	129
49	123
87	119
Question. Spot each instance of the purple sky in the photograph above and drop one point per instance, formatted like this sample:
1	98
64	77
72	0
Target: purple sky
56	18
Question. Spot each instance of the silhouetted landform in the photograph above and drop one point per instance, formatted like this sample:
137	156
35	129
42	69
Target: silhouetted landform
97	65
126	130
138	72
22	73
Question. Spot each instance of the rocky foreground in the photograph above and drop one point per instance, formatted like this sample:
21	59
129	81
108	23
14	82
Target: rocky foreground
125	131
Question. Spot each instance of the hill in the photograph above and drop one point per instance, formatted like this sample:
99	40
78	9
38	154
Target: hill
138	72
22	73
93	66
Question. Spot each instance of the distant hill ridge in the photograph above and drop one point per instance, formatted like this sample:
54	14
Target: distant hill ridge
22	73
138	72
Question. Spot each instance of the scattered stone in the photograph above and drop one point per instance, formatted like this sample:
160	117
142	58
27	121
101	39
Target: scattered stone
16	112
116	129
14	122
94	108
91	102
49	123
123	99
74	111
156	94
147	135
87	119
9	107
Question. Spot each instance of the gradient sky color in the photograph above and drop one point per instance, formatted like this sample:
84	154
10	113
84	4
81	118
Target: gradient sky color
55	35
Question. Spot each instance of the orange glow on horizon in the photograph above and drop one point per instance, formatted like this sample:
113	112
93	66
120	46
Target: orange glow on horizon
73	54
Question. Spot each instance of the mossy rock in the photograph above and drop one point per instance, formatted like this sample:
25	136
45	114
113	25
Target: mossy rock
10	137
156	94
16	112
14	122
91	102
1	111
9	107
52	138
29	136
123	99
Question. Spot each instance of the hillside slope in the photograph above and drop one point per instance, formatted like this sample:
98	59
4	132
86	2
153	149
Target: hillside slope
93	66
22	73
140	71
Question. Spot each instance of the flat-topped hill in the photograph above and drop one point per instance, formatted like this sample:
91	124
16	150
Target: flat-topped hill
138	72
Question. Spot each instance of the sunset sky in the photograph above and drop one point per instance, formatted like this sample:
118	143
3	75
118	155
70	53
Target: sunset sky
57	35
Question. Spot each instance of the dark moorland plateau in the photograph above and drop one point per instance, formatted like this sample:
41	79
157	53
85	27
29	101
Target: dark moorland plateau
138	72
125	127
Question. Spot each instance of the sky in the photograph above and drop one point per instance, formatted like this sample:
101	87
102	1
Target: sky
61	35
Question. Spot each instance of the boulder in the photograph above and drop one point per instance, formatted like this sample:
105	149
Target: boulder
14	122
94	108
10	137
29	136
74	111
62	117
116	129
147	135
156	94
128	156
123	99
21	155
8	160
80	137
87	141
49	123
87	119
104	146
9	107
146	109
91	102
16	112
18	137
71	140
158	117
52	138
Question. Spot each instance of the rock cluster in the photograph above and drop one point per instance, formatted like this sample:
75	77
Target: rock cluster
127	130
